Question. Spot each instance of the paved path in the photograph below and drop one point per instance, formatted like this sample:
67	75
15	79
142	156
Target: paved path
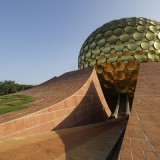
90	142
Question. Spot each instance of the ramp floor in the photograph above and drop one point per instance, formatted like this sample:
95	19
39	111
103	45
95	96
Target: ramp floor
90	142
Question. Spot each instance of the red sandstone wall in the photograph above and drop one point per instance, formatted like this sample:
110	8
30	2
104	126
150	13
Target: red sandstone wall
86	106
142	136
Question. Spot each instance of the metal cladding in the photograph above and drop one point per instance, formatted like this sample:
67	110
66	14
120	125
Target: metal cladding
117	48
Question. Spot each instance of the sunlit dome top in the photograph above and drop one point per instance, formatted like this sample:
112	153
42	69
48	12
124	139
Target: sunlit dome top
116	49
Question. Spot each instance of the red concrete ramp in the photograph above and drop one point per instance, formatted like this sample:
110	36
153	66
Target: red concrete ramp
73	99
142	136
94	141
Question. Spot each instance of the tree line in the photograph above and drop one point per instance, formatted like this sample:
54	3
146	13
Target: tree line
8	87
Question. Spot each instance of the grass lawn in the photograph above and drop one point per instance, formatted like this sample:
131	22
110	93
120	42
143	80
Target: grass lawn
11	103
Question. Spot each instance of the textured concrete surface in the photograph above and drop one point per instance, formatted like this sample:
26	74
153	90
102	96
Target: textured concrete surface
73	99
142	136
88	142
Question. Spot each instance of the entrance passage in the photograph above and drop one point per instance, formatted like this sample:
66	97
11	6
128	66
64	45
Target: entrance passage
122	107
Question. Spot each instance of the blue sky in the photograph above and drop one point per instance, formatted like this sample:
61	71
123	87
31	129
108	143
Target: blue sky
40	39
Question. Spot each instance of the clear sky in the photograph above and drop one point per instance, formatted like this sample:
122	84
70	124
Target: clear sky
40	39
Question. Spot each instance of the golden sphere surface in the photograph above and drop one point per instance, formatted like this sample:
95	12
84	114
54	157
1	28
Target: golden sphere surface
117	48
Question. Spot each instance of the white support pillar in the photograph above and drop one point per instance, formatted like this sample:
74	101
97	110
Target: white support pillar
128	112
115	114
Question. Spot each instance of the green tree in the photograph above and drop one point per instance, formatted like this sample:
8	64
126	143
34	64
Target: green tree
8	87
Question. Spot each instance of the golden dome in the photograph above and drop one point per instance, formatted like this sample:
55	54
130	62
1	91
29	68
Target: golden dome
117	48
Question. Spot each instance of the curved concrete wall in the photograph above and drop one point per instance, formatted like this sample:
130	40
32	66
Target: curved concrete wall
85	106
